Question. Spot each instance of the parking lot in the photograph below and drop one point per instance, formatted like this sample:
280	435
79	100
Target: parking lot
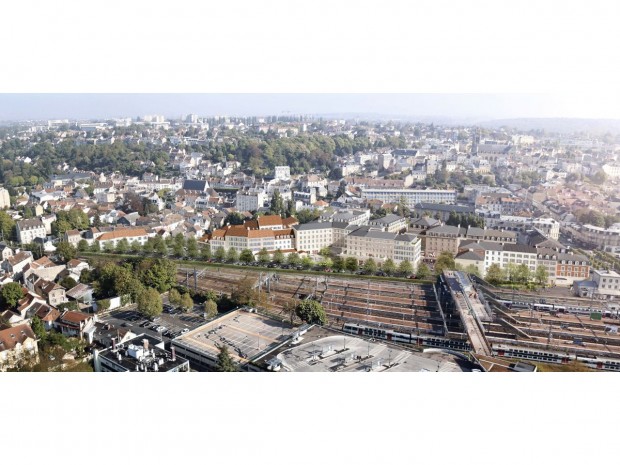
170	324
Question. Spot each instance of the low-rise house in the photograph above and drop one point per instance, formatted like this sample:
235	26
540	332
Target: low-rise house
15	264
76	324
27	230
16	344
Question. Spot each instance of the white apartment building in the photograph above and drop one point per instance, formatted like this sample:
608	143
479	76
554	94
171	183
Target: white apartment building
283	172
411	196
607	283
390	223
250	200
5	199
112	238
28	230
240	237
548	227
510	253
312	237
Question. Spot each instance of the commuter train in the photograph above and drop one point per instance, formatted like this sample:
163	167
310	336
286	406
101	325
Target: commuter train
537	355
555	308
424	340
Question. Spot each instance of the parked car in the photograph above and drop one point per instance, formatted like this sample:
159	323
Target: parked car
185	330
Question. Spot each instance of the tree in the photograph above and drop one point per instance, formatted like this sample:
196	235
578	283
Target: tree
149	302
38	328
472	269
192	247
370	266
147	248
95	247
246	256
234	218
311	312
159	246
232	256
389	267
122	246
325	252
423	271
522	273
205	252
293	259
263	256
10	295
186	302
244	293
278	257
277	204
82	245
494	275
220	254
174	297
224	361
338	263
7	225
445	261
541	275
405	268
178	245
159	273
66	251
68	282
351	264
210	308
306	262
290	208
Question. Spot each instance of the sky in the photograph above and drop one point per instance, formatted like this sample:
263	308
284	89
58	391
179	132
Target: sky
477	107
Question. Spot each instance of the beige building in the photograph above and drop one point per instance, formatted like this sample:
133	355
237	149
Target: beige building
5	199
367	242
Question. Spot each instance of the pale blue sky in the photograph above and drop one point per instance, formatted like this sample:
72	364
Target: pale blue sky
459	106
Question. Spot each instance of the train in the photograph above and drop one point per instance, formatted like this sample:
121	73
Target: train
591	361
556	308
433	339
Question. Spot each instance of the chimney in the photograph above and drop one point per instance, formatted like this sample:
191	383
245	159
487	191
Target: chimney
145	343
174	354
113	344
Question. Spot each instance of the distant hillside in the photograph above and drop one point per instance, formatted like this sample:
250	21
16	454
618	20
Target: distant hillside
558	125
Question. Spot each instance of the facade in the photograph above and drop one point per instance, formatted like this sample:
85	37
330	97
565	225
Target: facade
367	242
112	238
312	237
250	200
28	230
606	239
548	227
283	172
241	237
5	199
411	196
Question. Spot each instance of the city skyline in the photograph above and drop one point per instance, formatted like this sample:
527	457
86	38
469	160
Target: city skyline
466	108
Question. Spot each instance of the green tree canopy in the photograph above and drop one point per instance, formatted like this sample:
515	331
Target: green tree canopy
263	256
405	268
494	275
423	271
370	266
445	261
311	311
66	251
541	275
351	264
388	267
149	302
278	257
10	295
210	309
246	256
225	362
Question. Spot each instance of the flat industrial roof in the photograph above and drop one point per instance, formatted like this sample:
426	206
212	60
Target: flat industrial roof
246	335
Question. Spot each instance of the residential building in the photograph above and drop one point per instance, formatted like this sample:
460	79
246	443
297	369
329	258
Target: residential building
132	235
367	242
5	199
250	200
390	223
312	237
16	344
410	196
28	230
